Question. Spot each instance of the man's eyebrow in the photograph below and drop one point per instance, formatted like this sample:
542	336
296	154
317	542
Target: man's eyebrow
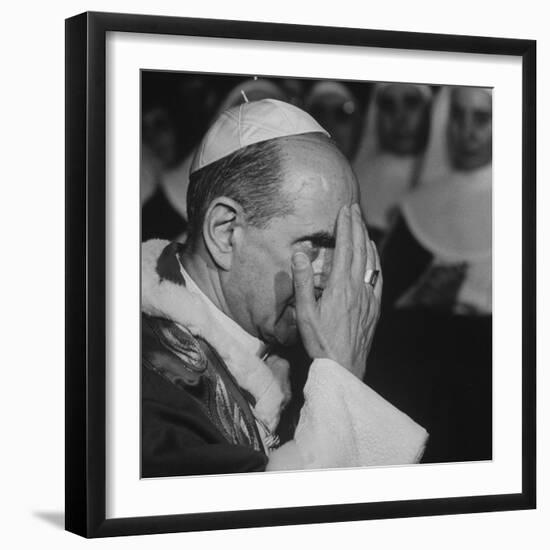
322	239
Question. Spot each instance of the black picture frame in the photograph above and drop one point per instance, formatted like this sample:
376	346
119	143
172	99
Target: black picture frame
86	268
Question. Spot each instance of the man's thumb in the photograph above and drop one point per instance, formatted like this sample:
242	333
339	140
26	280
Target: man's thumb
303	280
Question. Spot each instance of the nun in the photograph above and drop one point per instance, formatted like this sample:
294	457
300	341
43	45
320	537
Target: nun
438	285
439	253
394	139
334	106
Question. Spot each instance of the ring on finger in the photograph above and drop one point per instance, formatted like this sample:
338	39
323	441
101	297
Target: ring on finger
371	276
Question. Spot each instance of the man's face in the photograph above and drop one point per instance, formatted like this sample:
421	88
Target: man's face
470	129
403	119
258	288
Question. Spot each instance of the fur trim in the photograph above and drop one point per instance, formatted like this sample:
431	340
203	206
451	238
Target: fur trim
268	384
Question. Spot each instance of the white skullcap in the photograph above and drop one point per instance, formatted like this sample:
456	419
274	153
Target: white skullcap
251	123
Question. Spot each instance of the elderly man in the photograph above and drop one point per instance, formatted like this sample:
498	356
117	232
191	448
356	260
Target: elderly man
277	254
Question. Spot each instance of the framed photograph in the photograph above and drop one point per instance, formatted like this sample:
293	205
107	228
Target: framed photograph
300	274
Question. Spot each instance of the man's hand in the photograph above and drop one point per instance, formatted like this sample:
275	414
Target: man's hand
340	325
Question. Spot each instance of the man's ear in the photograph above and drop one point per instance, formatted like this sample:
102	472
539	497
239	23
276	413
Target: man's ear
223	217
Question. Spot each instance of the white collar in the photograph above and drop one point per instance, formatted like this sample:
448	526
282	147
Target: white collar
248	342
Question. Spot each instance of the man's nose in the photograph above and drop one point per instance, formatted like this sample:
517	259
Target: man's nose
322	266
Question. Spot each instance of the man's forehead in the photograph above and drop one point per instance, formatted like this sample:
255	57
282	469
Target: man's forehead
317	200
316	203
314	164
305	184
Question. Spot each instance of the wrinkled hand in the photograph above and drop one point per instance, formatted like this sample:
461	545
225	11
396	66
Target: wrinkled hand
340	325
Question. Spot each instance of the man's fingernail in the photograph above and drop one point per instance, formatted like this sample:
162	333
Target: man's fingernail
300	259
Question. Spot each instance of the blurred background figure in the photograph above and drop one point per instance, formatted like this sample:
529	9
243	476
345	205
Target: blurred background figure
437	286
394	138
159	147
470	130
252	89
176	110
337	110
295	89
447	219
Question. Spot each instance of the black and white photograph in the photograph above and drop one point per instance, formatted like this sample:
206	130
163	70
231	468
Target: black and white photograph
316	273
295	290
275	275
